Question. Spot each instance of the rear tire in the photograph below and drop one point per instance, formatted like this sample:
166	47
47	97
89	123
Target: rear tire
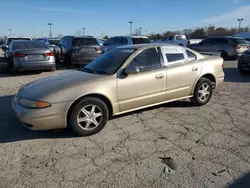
203	92
12	69
224	55
85	121
68	62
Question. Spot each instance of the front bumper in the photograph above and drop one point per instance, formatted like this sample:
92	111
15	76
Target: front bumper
53	117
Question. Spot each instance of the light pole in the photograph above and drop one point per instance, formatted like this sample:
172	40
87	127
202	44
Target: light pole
140	31
130	22
41	33
102	34
83	31
50	33
240	20
9	32
146	32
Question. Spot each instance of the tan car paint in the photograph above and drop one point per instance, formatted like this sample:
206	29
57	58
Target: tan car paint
125	93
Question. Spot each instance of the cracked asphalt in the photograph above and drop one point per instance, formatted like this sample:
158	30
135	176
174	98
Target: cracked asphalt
209	145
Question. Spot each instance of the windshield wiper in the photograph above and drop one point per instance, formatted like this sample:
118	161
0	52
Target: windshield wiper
88	70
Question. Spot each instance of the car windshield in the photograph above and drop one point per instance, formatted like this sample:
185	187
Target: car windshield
141	40
84	41
53	41
28	45
109	62
11	39
240	41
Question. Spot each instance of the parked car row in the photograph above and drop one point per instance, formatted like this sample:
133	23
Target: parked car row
82	50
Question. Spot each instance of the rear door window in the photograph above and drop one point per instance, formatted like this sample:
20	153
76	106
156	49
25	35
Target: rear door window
124	41
171	38
138	40
117	41
175	57
84	41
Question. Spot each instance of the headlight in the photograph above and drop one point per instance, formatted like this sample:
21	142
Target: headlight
33	104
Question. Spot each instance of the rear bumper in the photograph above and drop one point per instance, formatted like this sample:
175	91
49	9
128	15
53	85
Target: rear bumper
35	66
219	78
83	60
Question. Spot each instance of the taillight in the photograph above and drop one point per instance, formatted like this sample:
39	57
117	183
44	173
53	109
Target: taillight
238	46
50	54
18	55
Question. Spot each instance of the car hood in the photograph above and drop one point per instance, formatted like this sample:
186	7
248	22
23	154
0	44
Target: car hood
58	84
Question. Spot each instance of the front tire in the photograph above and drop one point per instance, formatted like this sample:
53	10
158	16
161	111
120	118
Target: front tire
88	116
224	55
203	92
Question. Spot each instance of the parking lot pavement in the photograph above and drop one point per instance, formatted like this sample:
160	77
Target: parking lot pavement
172	145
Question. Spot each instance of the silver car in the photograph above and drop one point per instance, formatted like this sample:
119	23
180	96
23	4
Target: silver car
29	55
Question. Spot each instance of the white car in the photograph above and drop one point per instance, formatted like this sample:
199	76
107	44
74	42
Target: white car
176	39
118	41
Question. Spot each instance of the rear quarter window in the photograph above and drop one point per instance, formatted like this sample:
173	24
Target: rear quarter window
140	40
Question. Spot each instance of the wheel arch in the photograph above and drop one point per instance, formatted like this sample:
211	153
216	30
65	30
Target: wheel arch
96	95
209	76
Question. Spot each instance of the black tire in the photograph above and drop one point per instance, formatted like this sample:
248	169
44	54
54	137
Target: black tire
53	69
78	128
57	58
242	72
224	55
196	98
68	62
12	69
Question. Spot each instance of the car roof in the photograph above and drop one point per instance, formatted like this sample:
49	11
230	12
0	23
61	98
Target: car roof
148	45
227	37
128	36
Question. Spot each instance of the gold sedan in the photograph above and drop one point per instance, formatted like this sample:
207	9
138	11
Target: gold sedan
122	80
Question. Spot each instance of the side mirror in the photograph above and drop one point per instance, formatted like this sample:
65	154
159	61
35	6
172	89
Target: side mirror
132	70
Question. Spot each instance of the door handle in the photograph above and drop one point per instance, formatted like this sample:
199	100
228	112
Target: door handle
159	76
194	68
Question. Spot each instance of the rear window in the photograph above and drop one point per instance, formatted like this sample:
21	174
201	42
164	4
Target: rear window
28	44
140	40
55	42
11	39
239	41
84	41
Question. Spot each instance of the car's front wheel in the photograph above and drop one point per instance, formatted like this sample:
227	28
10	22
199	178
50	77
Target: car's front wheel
203	92
89	116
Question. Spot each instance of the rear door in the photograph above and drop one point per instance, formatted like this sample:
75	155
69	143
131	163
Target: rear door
182	71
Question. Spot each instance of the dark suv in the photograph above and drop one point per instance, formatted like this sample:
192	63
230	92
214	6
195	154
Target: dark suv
228	47
77	50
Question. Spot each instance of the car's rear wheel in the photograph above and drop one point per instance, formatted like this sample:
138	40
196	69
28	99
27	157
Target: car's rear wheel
203	92
224	55
68	62
12	68
88	116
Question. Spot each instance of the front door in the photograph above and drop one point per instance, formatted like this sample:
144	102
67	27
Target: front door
146	87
